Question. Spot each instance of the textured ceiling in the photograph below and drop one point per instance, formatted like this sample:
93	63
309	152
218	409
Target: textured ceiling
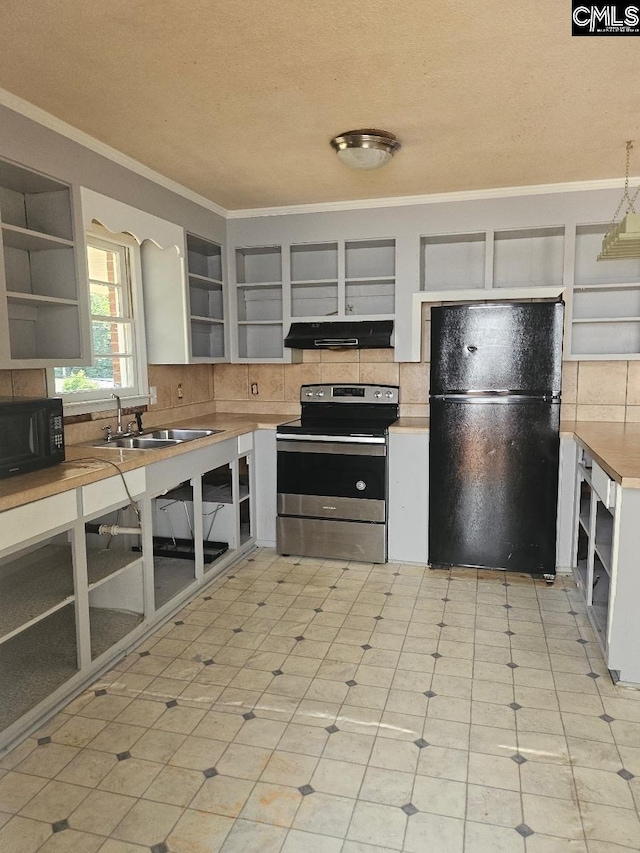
238	100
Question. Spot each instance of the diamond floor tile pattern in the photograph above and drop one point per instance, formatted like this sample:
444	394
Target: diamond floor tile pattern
309	706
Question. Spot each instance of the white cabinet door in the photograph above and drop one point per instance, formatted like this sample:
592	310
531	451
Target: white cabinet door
408	498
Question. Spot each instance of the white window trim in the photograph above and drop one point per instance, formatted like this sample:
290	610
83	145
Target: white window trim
82	402
108	216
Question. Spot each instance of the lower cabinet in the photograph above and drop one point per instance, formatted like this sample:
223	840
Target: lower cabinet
606	543
98	572
408	504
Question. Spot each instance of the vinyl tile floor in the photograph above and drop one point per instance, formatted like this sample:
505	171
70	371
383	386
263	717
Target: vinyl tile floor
309	706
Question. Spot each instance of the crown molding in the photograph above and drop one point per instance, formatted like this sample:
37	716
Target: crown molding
434	198
31	111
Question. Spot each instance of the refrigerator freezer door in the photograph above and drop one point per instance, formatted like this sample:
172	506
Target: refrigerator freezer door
514	346
493	484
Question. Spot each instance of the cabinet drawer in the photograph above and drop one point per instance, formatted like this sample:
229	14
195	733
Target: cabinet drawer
106	493
603	485
24	522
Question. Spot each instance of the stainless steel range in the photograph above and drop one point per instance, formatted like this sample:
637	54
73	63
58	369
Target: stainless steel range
332	473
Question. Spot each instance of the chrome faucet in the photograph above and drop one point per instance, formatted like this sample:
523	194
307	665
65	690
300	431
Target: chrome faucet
122	433
119	431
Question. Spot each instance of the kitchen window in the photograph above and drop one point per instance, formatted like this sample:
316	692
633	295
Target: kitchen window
117	339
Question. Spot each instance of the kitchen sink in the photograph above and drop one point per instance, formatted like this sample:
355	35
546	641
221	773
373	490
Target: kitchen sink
142	442
182	434
157	438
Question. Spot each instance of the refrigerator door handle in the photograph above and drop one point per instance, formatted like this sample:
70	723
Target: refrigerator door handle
494	397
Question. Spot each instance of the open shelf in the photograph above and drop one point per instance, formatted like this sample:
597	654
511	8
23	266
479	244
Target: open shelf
581	571
173	533
590	271
207	338
453	261
260	304
604	536
104	564
370	258
206	301
373	296
109	626
204	258
32	666
34	202
260	340
528	257
34	299
616	338
599	609
44	330
314	299
32	241
245	522
171	576
606	300
259	264
34	585
116	607
314	261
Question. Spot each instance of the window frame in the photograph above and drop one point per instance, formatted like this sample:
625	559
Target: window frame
82	402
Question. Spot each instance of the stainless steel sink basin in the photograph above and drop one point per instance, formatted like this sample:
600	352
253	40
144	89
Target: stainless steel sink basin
157	438
182	434
139	443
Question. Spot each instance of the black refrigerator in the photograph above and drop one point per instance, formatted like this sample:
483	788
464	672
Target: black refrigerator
494	435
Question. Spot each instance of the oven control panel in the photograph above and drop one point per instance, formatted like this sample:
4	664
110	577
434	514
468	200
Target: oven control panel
354	393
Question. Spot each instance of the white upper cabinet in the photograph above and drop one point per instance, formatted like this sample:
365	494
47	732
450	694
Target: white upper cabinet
184	300
523	257
605	310
300	282
43	316
259	304
206	299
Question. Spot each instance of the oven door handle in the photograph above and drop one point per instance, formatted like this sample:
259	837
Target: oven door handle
330	447
332	439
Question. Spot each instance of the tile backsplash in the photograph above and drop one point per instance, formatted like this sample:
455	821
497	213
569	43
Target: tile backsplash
591	390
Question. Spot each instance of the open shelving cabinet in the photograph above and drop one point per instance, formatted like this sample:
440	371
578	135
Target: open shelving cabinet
594	554
206	299
42	314
308	282
37	602
605	317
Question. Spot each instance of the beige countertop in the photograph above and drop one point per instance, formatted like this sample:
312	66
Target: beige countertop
616	447
86	464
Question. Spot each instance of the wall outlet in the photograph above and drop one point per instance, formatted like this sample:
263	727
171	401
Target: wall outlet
180	391
254	389
153	395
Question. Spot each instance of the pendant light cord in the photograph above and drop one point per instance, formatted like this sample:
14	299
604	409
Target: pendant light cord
625	195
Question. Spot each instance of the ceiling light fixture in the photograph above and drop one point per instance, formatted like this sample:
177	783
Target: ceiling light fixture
365	149
623	240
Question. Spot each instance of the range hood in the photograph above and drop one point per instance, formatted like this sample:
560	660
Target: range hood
352	334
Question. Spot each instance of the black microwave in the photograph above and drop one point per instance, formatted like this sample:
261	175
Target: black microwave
31	434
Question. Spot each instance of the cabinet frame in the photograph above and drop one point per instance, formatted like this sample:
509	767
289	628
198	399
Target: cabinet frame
290	286
58	518
619	638
58	309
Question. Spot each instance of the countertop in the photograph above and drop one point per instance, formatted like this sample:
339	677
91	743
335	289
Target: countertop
86	464
616	447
